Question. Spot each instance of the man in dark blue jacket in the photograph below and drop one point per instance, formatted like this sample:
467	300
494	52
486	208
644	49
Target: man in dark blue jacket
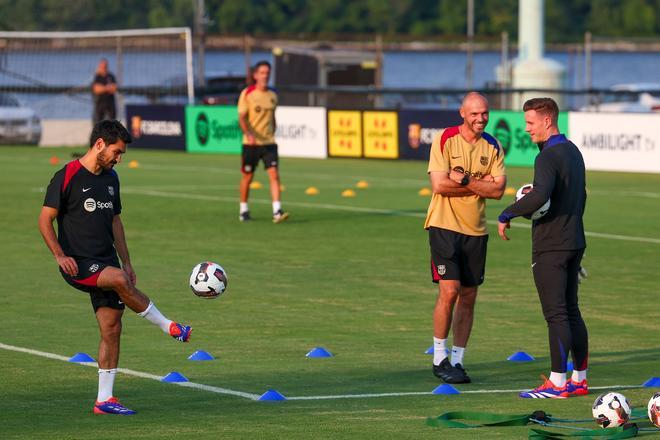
558	244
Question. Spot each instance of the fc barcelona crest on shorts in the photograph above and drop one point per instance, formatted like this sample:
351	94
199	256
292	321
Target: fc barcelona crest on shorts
442	269
483	160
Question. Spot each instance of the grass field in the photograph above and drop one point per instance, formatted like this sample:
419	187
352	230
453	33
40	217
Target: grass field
348	274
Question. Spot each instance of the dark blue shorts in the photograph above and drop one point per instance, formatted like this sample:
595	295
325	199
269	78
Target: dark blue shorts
456	256
88	273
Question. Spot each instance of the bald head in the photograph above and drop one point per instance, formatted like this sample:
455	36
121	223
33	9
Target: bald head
474	111
474	98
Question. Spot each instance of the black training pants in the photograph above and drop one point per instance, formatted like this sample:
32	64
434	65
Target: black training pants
556	278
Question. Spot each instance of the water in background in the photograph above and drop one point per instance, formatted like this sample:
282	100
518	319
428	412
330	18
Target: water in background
401	69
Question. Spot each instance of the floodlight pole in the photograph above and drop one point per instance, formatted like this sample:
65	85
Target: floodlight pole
470	43
200	36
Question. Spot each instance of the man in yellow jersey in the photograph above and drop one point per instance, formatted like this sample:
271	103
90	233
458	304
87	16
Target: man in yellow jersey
466	167
256	116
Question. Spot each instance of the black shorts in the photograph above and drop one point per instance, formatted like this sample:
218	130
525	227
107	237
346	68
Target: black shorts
456	256
88	273
252	154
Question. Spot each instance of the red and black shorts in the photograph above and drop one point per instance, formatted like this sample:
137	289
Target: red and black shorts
252	154
456	256
88	273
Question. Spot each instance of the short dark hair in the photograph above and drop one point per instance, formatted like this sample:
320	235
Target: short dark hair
547	106
110	130
259	64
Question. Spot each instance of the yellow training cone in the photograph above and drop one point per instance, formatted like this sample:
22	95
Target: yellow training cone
133	164
312	191
282	188
510	191
424	192
362	184
348	193
256	185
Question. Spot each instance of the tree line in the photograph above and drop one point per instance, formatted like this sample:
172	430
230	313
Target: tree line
566	20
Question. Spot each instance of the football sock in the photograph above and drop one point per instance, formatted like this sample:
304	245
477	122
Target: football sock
558	379
457	355
579	376
106	382
276	206
244	207
152	314
439	350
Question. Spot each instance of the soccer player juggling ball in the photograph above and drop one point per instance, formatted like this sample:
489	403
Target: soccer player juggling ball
84	198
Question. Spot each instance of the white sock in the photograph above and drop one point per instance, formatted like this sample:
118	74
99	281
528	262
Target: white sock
457	355
244	207
106	382
276	206
558	379
579	376
152	314
439	350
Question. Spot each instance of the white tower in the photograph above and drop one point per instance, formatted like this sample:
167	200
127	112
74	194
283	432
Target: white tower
530	69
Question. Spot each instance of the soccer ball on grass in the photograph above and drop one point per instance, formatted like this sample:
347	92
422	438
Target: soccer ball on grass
654	409
543	210
611	410
208	280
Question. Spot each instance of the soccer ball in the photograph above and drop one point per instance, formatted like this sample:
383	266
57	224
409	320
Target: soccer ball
611	410
654	409
543	210
208	280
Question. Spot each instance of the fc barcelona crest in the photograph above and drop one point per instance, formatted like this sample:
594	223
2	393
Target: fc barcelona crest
442	269
111	190
483	160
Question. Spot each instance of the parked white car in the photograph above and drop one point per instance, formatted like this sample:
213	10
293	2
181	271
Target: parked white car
18	125
636	102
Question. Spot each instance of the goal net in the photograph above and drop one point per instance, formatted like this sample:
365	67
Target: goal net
52	72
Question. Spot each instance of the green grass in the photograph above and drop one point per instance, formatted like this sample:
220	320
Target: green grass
349	274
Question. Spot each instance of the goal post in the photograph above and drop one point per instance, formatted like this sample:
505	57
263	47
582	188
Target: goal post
52	72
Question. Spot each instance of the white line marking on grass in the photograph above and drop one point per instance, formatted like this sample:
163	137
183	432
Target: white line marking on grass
212	389
141	374
428	393
362	209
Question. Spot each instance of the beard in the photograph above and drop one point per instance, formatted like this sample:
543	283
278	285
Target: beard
105	162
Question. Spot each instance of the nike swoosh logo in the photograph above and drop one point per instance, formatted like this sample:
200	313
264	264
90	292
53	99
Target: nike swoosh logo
533	264
456	157
86	189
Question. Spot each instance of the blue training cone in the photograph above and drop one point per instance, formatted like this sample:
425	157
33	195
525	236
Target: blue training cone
430	350
272	395
81	357
445	388
174	376
652	382
200	355
318	352
520	356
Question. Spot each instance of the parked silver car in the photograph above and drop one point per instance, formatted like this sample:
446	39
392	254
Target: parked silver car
18	125
642	98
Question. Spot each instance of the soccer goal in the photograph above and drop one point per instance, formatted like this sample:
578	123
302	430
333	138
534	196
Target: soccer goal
52	72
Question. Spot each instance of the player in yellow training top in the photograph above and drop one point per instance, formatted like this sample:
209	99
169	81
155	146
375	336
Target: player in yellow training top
466	167
256	116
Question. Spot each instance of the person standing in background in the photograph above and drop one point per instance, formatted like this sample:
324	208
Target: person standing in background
256	116
104	88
